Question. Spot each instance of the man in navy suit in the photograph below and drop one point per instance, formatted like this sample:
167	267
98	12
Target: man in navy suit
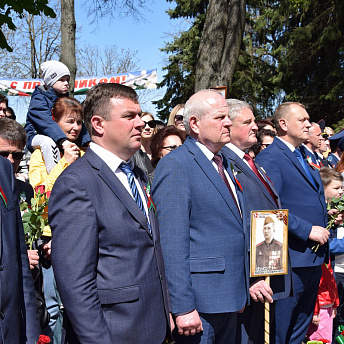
18	315
259	194
106	250
201	216
301	191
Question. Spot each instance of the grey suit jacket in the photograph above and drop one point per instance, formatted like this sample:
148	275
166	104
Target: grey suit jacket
108	266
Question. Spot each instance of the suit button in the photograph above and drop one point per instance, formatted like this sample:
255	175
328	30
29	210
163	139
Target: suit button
2	315
161	278
1	267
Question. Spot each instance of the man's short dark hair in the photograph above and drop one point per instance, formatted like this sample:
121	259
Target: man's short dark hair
98	99
3	99
11	130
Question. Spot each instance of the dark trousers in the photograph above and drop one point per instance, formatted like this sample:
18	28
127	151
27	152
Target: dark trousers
250	324
294	314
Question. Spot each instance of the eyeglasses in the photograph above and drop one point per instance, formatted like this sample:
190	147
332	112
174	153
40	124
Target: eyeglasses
178	117
171	148
151	124
15	155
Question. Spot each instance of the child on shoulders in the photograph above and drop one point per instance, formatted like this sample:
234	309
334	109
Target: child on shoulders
42	131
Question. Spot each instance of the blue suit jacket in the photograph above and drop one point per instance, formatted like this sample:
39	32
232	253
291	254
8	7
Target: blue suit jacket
202	234
306	203
257	197
18	316
108	267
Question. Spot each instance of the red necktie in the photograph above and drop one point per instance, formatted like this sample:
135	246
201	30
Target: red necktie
218	162
253	166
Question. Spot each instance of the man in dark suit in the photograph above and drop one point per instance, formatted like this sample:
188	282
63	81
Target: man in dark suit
106	251
12	143
259	194
201	217
302	192
308	148
18	316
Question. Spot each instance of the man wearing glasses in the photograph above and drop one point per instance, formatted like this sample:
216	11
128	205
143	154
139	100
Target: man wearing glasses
12	143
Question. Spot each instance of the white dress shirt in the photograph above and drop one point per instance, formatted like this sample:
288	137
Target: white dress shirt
113	161
210	155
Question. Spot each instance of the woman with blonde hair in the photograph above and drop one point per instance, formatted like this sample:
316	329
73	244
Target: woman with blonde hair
176	118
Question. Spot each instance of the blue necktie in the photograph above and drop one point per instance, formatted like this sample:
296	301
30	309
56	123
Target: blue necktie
304	166
126	168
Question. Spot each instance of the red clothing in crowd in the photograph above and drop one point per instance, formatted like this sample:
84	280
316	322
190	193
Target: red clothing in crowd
327	293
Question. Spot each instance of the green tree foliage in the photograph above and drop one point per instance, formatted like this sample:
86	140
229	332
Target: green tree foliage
304	40
15	8
180	71
291	50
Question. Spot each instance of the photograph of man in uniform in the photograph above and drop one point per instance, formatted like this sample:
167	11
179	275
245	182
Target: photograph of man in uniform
269	251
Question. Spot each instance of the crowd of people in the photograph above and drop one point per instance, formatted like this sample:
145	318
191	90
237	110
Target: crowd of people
148	234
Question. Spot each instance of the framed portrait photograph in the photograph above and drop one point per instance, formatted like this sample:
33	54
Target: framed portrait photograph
269	242
222	90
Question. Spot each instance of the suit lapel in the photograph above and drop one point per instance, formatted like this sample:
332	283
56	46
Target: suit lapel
213	176
291	156
151	214
270	183
249	173
117	188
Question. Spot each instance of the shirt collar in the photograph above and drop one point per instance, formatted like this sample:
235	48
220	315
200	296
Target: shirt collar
112	160
236	150
289	145
206	151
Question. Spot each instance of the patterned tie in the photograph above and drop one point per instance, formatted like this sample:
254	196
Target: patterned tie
303	164
218	161
126	168
253	166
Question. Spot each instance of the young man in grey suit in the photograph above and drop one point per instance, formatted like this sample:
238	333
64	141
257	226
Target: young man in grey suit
105	239
201	216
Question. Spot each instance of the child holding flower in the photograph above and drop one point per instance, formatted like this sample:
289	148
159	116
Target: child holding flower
327	302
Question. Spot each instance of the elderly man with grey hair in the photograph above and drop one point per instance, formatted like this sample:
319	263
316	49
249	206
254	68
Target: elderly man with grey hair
309	147
259	194
200	210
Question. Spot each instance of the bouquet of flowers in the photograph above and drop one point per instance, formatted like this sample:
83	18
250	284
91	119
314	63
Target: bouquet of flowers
336	204
34	216
340	338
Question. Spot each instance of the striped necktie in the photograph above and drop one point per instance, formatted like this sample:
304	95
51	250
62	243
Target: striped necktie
126	168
